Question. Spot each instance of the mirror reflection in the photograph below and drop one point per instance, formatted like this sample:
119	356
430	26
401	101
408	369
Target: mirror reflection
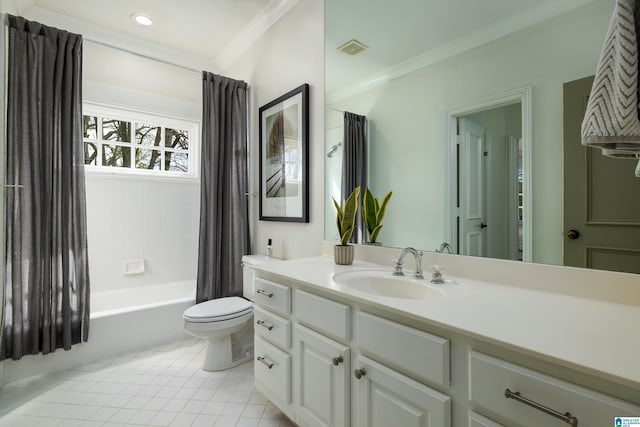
473	113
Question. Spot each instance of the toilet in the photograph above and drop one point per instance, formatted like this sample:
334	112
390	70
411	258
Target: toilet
226	323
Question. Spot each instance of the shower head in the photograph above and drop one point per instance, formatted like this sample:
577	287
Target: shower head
333	150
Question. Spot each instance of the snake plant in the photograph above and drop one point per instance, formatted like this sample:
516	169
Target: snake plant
373	213
346	216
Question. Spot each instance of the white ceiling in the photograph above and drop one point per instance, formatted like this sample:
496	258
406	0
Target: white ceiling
198	32
209	34
404	35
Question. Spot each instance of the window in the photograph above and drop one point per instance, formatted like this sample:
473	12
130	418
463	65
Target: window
119	140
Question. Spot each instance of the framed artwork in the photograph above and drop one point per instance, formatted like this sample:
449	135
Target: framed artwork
284	157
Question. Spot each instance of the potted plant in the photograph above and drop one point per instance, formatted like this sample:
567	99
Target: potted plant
373	213
346	221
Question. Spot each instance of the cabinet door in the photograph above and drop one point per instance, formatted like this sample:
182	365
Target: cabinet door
385	398
321	390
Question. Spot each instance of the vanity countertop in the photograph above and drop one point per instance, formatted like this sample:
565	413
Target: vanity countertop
599	338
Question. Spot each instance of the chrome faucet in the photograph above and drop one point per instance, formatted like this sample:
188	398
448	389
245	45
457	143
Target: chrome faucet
445	247
397	271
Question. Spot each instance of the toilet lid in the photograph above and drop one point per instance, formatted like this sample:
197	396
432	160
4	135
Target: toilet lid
218	309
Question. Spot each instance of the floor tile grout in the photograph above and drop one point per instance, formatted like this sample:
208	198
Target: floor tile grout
161	386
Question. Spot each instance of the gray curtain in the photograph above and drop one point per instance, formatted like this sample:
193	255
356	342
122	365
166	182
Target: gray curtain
47	275
354	164
224	211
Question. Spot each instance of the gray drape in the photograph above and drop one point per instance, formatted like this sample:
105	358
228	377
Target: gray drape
47	275
224	215
354	164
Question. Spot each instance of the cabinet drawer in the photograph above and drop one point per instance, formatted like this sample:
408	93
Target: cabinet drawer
323	314
272	295
272	328
272	370
410	350
490	378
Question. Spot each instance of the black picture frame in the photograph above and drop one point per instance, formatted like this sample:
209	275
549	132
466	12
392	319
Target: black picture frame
284	157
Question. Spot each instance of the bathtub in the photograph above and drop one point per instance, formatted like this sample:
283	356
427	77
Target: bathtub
122	321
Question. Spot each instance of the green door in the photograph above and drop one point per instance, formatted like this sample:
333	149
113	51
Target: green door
601	197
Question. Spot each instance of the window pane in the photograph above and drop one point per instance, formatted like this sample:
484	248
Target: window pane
116	130
116	155
90	126
90	153
147	134
147	159
176	138
176	162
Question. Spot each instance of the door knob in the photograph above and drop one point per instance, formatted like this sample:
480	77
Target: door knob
338	360
482	225
573	234
359	373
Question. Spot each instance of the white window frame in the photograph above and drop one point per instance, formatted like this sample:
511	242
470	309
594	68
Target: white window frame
146	117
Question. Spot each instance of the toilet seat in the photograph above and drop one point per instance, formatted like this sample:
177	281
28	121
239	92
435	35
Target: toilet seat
218	310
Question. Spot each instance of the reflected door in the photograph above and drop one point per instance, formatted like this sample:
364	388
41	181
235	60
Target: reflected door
601	197
471	176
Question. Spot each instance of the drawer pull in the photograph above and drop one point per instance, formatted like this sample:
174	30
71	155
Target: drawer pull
359	373
567	417
264	360
264	324
338	360
263	292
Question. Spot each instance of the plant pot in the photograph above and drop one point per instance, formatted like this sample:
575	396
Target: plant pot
343	254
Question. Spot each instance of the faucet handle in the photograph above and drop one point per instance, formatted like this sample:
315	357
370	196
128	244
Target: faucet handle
436	276
435	268
397	268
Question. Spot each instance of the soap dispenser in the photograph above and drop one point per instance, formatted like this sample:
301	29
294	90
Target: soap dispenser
269	251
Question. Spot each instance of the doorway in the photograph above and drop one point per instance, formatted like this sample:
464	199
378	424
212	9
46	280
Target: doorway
601	196
487	177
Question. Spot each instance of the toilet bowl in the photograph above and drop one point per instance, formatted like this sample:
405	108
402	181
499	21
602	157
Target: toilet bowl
226	323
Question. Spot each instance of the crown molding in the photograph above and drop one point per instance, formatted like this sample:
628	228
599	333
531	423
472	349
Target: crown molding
259	25
273	12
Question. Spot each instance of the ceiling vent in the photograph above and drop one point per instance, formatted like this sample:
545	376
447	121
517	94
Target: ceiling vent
353	47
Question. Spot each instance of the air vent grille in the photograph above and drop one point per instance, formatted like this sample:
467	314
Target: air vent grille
353	47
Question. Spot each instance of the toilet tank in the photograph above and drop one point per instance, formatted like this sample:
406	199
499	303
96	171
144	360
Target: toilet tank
247	272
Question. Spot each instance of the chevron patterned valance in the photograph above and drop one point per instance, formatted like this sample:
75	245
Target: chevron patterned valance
612	119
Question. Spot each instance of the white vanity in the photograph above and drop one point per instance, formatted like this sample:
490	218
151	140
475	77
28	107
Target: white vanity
328	354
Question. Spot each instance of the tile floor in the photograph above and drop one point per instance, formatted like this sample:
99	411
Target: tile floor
162	386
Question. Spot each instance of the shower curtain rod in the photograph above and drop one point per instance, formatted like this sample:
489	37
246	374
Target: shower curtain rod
330	107
112	46
142	55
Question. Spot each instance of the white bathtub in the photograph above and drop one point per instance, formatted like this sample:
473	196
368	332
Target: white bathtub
109	303
122	321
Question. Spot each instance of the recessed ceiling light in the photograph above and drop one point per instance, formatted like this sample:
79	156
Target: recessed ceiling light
142	19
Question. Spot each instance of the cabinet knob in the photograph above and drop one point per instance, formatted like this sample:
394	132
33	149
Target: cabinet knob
337	360
359	373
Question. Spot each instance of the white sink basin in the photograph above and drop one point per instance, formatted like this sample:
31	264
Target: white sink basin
382	283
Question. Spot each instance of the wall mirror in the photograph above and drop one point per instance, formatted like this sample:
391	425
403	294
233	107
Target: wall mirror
473	120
